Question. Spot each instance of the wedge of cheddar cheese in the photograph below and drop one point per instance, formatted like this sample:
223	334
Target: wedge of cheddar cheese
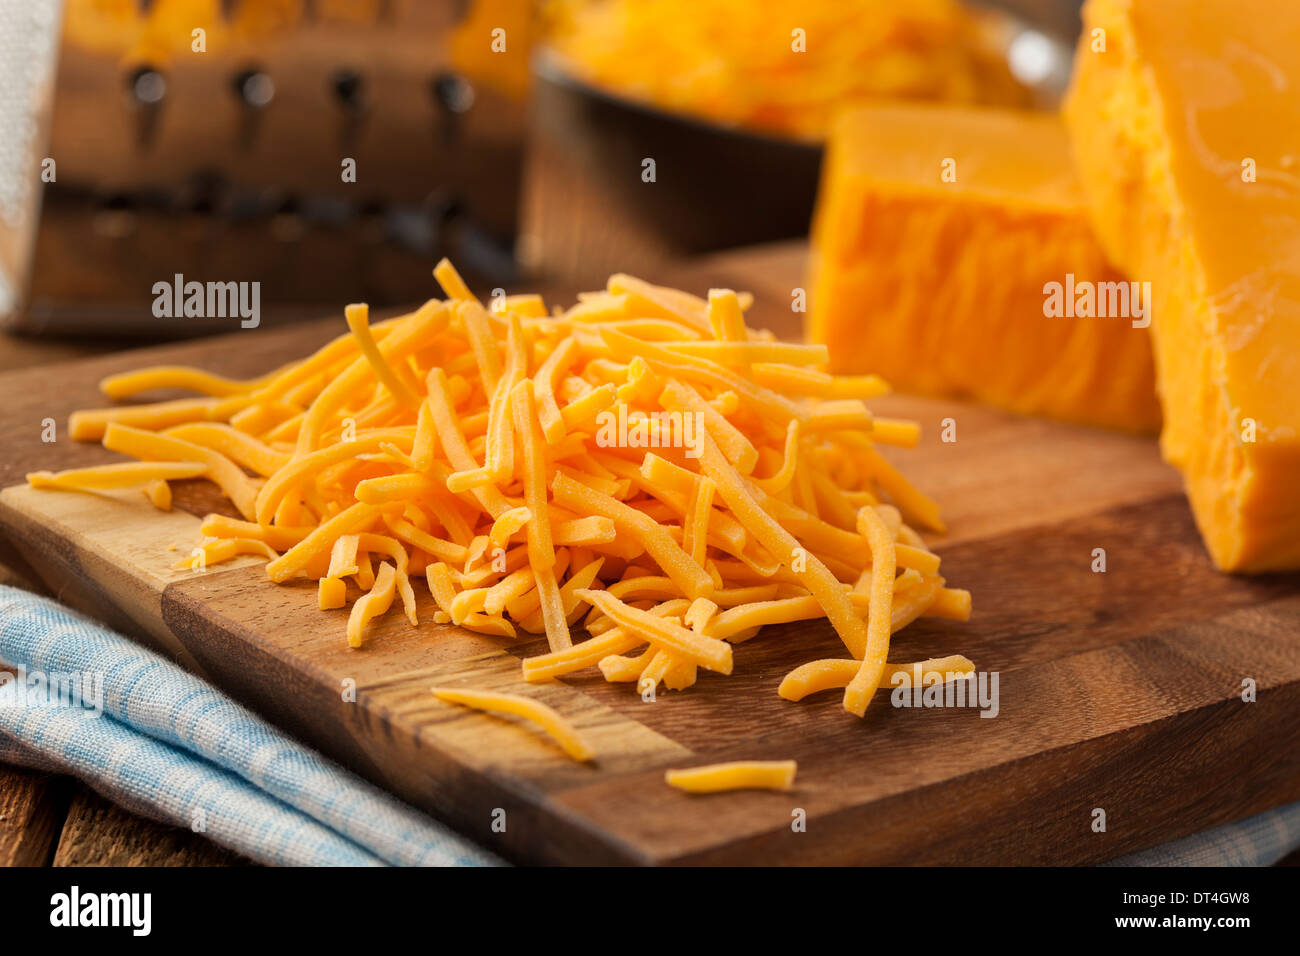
1185	124
941	234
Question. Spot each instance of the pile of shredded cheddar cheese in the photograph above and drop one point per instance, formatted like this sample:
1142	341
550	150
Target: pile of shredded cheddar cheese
641	465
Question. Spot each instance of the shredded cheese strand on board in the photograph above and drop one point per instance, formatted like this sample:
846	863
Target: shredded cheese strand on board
739	775
816	676
560	730
642	466
121	475
883	570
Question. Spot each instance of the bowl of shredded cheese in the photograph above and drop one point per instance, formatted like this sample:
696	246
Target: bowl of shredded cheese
699	127
783	68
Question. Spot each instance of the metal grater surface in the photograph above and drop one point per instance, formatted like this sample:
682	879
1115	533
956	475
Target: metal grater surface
224	163
29	32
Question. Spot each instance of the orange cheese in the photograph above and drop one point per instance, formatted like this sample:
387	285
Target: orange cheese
938	232
1185	121
469	445
785	67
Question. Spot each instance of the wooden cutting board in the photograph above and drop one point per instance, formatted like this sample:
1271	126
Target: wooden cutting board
1119	691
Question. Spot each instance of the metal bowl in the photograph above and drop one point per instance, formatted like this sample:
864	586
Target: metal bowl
587	212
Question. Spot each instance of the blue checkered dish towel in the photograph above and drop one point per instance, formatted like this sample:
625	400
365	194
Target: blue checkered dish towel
1260	840
164	743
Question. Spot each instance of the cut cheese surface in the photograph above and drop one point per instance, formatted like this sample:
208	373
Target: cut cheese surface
1186	133
938	230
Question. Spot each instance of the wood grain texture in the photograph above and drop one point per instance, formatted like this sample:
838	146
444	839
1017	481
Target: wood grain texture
32	805
100	833
1118	690
21	351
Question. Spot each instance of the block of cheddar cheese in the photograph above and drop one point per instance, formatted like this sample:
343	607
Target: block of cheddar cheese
1185	125
940	237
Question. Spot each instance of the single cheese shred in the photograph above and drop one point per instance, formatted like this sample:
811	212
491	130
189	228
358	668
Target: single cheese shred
560	730
741	775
